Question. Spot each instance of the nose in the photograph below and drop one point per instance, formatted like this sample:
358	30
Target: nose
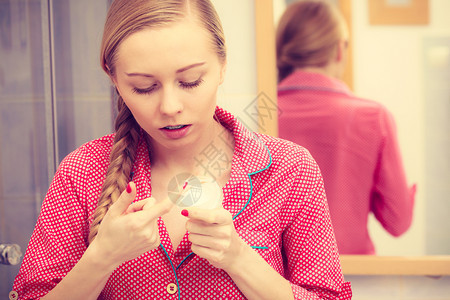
170	103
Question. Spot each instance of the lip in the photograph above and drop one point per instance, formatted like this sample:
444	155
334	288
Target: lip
175	133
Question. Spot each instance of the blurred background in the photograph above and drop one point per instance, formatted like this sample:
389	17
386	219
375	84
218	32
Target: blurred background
401	59
55	97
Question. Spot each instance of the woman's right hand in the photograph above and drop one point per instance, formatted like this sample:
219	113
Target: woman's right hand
129	229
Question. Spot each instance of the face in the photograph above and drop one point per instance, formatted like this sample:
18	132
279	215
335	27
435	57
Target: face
168	77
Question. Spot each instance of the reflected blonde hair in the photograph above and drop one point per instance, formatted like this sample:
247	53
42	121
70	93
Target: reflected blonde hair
124	18
307	35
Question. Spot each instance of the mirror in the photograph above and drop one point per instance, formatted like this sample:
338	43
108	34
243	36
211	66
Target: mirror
407	69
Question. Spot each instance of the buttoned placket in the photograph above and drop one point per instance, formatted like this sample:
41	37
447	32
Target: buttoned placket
182	256
172	286
176	258
141	175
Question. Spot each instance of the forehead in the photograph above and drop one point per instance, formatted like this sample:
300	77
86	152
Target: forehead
172	44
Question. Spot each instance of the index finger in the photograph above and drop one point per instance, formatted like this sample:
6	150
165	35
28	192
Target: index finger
211	216
124	201
154	209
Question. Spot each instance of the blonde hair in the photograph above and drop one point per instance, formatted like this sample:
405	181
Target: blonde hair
307	35
123	19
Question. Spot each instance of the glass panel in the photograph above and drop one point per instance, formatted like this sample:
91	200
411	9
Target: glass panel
29	86
436	79
83	91
23	151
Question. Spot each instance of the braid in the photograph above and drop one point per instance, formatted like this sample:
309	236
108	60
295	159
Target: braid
124	18
121	162
285	68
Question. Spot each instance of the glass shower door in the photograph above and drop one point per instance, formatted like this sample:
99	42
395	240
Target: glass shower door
24	147
53	98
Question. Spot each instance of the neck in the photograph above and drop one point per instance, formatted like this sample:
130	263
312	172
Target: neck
328	70
197	157
334	69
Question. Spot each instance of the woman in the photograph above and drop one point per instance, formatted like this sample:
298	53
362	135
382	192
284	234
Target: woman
107	228
353	140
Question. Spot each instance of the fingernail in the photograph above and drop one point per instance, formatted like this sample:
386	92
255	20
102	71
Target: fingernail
128	188
185	213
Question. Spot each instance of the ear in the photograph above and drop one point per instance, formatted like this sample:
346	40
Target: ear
114	82
223	72
110	75
341	49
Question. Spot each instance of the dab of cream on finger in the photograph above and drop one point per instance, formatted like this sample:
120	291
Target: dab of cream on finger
203	192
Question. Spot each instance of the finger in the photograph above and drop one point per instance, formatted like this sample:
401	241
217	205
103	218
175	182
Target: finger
154	209
213	230
153	201
140	205
208	242
210	216
124	201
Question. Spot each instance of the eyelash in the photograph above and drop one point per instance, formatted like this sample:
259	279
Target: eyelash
144	91
184	85
191	85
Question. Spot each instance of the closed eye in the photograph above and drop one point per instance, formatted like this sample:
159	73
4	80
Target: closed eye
191	85
146	90
182	84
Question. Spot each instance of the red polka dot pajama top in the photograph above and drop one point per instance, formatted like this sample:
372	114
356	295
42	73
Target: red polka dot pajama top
275	194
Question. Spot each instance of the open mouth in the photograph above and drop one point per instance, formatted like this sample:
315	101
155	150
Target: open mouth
174	127
175	131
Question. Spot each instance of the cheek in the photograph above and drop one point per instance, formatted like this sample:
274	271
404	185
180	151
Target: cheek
205	103
209	94
141	111
129	103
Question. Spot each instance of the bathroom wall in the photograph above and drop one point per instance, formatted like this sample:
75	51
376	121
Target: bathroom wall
407	69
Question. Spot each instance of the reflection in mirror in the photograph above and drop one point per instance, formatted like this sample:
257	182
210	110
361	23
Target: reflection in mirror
406	69
353	140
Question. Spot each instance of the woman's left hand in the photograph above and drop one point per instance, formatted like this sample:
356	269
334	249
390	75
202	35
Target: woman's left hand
213	236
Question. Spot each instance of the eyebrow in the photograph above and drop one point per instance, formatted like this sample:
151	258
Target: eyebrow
190	67
178	71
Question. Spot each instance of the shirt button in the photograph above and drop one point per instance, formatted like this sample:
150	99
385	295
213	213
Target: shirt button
172	288
13	295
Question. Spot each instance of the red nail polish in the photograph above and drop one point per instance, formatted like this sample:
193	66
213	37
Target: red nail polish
128	188
185	213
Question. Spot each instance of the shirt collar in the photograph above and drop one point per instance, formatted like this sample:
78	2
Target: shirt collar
250	150
312	81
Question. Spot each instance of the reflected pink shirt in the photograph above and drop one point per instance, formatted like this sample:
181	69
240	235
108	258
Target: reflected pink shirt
275	194
355	145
